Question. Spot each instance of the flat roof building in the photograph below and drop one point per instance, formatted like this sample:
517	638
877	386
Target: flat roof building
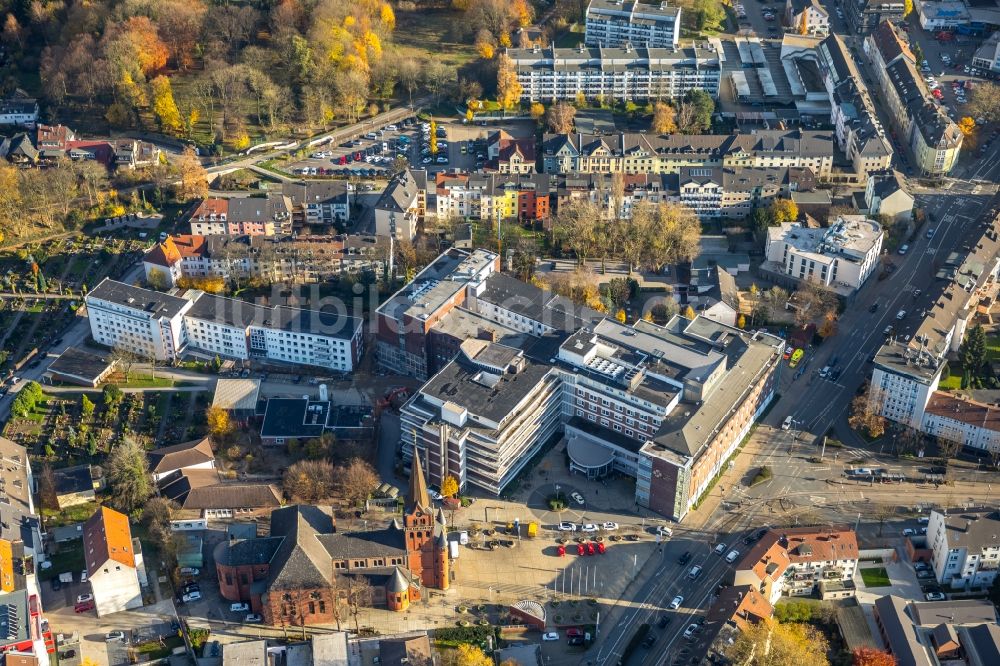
615	23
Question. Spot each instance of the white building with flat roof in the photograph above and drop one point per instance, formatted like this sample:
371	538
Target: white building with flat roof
841	256
615	74
162	326
965	546
615	23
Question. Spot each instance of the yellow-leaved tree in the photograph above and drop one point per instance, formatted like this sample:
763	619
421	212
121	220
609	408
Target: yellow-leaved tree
164	106
449	487
508	87
218	422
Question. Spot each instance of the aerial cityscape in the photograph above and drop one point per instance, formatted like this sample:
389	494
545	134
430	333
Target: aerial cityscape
499	332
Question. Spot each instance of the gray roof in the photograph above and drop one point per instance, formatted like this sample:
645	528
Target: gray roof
958	611
81	364
236	394
981	644
179	456
760	142
301	560
900	633
291	417
154	303
316	192
245	653
537	304
228	311
409	651
70	480
398	583
400	193
460	382
257	209
258	550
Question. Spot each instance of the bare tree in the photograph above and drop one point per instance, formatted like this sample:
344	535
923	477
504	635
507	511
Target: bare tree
125	358
356	480
359	594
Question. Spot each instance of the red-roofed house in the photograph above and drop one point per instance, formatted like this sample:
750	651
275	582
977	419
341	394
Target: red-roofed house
802	561
53	137
510	155
99	151
114	562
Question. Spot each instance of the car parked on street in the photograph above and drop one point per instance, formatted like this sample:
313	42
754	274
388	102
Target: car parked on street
567	527
550	636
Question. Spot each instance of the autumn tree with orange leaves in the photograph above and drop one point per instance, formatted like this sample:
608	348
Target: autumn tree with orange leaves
868	656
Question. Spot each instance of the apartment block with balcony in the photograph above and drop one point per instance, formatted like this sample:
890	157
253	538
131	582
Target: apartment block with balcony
864	16
156	325
801	561
965	546
616	74
615	23
251	216
650	154
907	372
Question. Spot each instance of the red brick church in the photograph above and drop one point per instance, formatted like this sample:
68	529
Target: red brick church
294	576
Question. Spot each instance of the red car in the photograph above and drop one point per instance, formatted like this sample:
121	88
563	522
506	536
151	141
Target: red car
342	160
590	549
580	550
600	548
574	632
562	551
84	607
357	156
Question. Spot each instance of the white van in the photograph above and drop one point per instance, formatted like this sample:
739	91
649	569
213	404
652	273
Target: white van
787	422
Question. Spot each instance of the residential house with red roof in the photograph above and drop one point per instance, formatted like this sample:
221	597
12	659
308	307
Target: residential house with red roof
114	562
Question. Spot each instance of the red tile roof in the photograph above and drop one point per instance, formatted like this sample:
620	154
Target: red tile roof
210	206
958	409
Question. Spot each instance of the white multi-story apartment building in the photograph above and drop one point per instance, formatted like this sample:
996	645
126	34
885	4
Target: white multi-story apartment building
907	371
161	326
842	256
402	206
801	561
965	546
615	23
614	74
148	323
242	216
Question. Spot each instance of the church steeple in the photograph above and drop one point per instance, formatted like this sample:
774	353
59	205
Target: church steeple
418	486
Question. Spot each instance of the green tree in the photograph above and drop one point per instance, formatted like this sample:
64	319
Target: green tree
111	395
701	106
86	407
972	352
128	476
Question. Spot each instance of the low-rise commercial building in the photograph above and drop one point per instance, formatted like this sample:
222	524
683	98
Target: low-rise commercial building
918	633
615	23
617	74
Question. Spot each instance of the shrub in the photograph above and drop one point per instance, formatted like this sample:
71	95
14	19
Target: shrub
764	474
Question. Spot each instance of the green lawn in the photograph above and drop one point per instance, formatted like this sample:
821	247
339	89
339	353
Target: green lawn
875	577
145	381
72	514
570	38
154	650
993	347
953	381
69	559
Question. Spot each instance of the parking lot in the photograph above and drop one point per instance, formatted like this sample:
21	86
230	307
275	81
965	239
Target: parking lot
373	154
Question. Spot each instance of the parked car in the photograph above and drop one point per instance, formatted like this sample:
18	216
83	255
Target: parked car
934	596
83	598
550	636
194	595
115	636
588	527
663	530
573	632
239	607
190	571
719	549
609	526
731	557
577	497
567	527
253	618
